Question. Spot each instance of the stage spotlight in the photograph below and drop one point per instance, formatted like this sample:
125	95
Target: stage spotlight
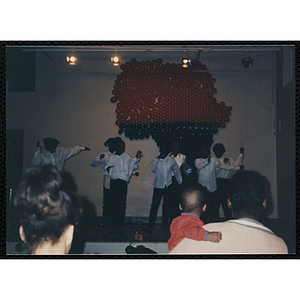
185	61
72	59
246	61
115	60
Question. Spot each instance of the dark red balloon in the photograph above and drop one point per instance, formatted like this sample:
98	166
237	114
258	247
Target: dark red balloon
113	99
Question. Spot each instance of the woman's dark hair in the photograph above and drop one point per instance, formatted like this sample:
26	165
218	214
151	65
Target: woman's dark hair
247	193
44	209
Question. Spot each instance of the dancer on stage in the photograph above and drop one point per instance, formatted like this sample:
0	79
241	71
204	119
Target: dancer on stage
119	168
53	155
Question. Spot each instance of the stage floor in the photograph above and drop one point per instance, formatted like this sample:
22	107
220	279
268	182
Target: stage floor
93	232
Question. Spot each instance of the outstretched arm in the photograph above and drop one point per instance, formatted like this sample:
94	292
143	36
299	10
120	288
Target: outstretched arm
98	160
200	234
195	232
239	159
38	145
37	158
176	172
68	152
226	167
201	163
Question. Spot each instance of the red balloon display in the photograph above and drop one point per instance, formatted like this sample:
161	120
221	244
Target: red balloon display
160	99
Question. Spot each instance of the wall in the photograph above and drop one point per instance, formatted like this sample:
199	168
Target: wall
286	137
72	104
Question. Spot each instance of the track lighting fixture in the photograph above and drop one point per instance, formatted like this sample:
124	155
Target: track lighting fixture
115	59
185	60
72	59
246	61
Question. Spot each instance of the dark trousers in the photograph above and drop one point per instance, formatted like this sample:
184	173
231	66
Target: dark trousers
212	208
158	194
107	210
118	190
173	200
222	194
211	213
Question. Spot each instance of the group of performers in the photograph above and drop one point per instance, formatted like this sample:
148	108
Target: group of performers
170	169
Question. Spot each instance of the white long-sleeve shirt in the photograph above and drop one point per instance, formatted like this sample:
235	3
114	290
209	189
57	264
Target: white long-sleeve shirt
163	169
122	166
207	172
58	158
226	174
97	161
179	158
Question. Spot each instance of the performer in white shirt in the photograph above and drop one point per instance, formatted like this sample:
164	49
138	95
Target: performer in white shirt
224	176
53	155
180	160
101	159
206	168
163	166
119	168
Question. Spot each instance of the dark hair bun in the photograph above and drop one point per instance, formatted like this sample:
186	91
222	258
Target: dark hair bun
45	210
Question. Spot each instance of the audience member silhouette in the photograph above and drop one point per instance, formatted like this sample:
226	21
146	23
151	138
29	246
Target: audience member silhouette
47	213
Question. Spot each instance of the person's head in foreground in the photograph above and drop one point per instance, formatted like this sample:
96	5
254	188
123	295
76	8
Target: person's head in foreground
47	213
193	198
247	198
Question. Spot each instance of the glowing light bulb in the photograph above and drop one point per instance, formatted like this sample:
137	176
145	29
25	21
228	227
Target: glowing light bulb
115	60
71	60
185	62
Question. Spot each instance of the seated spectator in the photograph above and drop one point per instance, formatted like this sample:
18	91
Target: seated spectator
189	225
244	234
47	213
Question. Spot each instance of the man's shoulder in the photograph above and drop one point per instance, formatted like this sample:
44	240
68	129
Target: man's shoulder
217	226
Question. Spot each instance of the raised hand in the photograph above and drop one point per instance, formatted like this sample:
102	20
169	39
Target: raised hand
139	154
